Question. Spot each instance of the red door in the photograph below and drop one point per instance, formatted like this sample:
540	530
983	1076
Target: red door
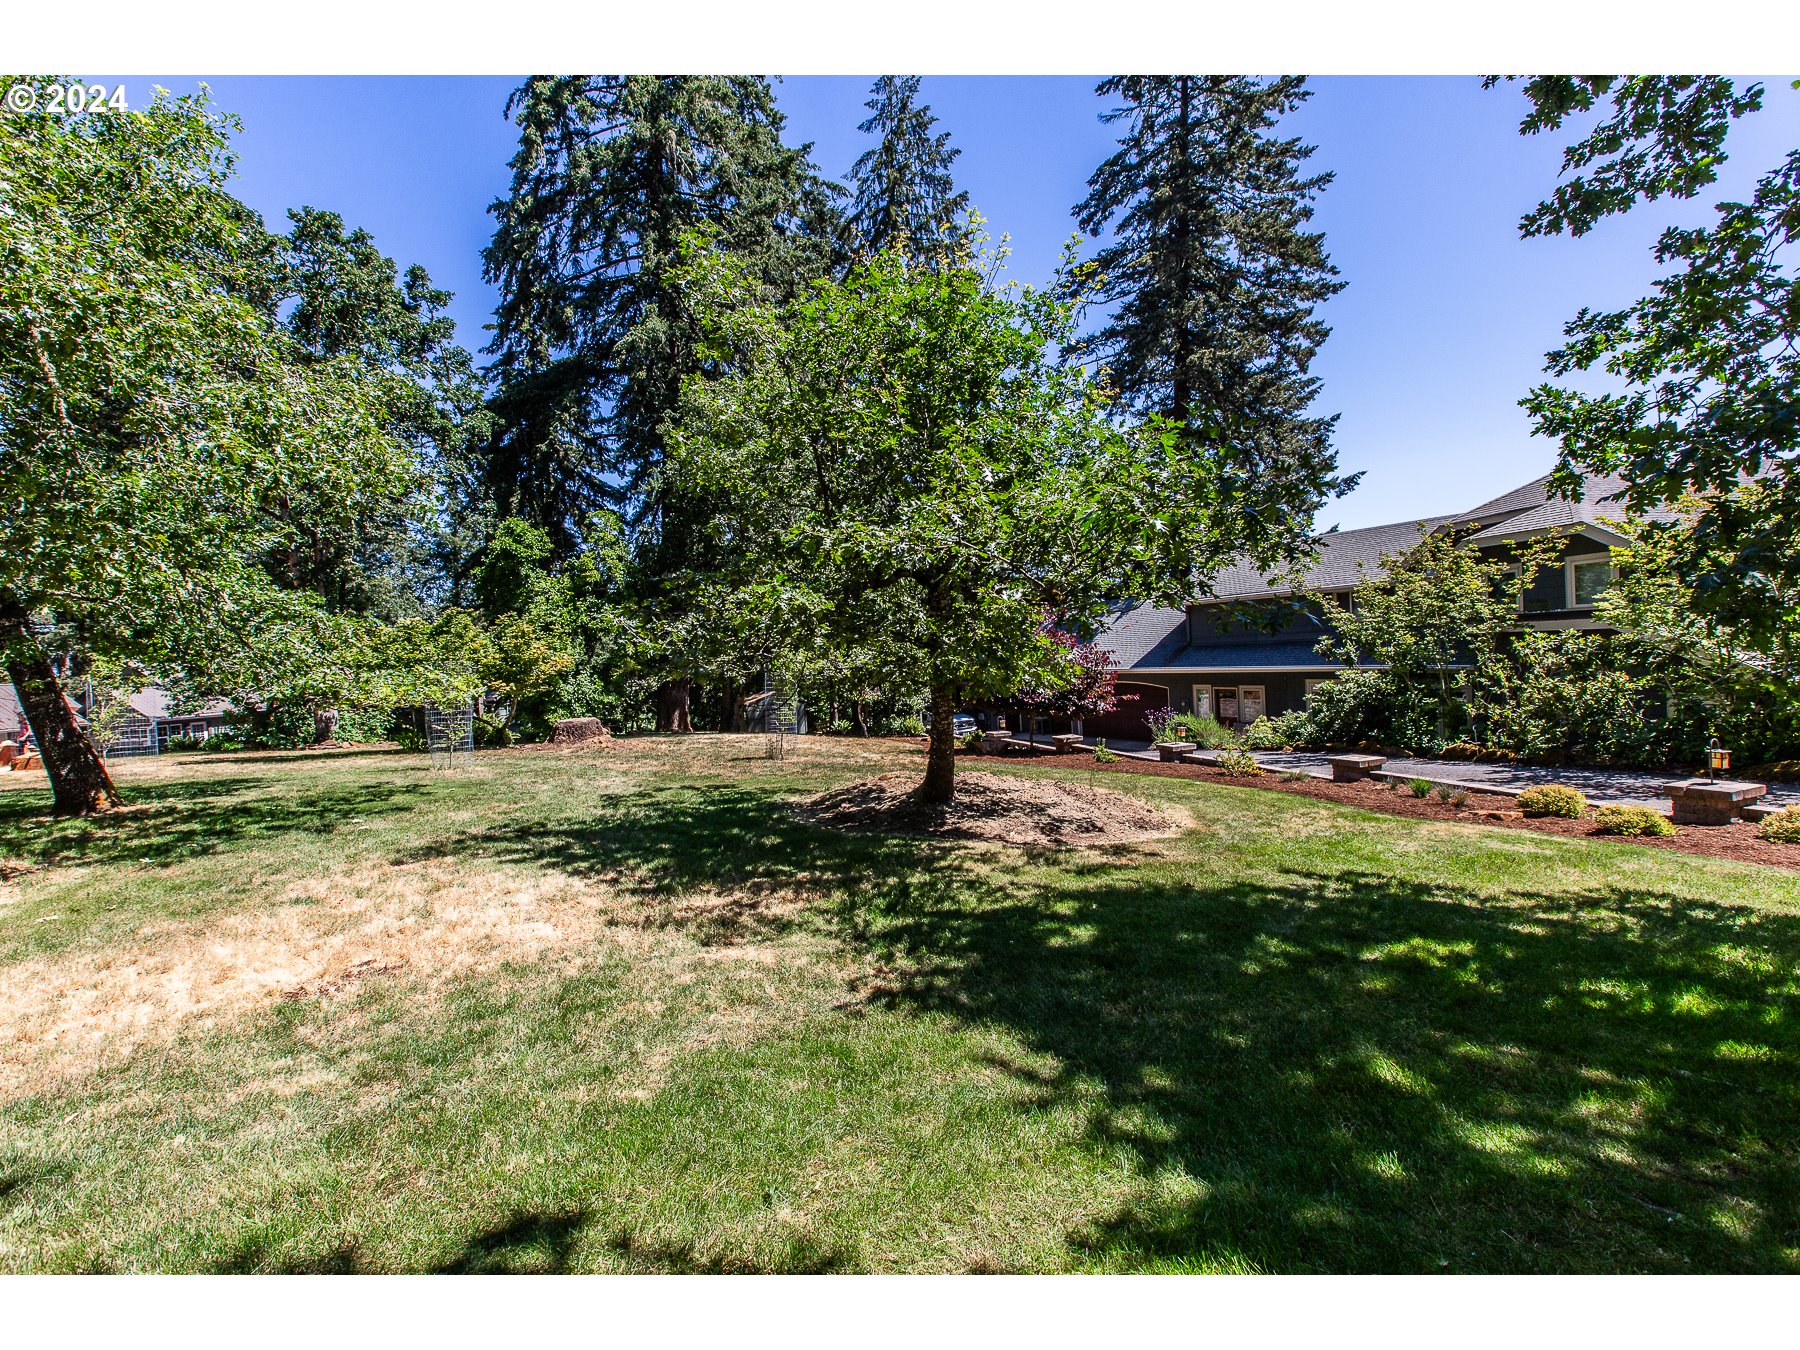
1132	702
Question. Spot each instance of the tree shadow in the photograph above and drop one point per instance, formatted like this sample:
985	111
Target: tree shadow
167	821
548	1243
1324	1070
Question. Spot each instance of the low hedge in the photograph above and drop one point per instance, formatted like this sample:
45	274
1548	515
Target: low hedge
1783	827
1553	799
1632	821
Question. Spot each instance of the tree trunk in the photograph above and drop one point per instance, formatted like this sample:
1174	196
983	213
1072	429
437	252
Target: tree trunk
940	759
78	776
729	694
862	720
672	706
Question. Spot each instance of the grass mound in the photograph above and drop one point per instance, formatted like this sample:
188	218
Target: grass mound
993	807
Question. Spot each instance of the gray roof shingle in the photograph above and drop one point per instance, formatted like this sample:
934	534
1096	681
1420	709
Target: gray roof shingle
1140	635
1149	637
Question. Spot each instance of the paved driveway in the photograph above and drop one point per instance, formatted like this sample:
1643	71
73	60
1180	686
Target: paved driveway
1599	785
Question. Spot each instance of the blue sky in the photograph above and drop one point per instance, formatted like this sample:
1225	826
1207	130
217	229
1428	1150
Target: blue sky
1440	331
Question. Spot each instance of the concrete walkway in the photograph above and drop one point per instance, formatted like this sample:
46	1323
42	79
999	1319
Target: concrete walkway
1599	785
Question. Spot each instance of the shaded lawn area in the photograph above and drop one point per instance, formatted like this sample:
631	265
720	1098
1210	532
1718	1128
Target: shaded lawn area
1297	1037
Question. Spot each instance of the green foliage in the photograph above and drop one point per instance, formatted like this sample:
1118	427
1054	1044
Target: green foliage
905	195
1553	799
1457	797
1419	787
1715	678
912	725
1631	821
160	420
1571	693
1209	280
1238	764
1202	730
592	340
1290	729
1783	827
1703	394
898	467
1101	754
1439	609
1367	706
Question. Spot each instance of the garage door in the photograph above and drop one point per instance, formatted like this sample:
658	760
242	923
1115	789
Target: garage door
1126	721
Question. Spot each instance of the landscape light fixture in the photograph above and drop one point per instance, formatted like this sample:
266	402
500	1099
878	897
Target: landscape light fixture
1718	760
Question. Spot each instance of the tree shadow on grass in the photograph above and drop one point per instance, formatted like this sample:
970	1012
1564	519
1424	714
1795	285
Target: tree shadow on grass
1316	1070
549	1243
187	819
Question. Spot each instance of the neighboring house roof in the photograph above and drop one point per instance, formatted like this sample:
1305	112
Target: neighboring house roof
1345	558
153	703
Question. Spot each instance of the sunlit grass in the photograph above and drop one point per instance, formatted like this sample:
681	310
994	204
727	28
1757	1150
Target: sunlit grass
623	1011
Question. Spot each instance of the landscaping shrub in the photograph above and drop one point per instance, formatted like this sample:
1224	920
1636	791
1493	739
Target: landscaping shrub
1631	821
1369	706
1238	763
1457	797
1553	799
1169	724
1102	755
361	726
409	737
1288	731
1567	694
1294	776
1783	827
909	726
1420	788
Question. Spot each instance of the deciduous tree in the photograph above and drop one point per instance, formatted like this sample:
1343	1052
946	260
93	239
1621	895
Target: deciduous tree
154	418
898	460
1706	369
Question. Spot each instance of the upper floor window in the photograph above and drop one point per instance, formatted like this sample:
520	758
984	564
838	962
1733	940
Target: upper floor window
1576	584
1587	578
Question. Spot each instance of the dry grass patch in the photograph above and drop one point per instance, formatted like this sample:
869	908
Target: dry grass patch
66	1014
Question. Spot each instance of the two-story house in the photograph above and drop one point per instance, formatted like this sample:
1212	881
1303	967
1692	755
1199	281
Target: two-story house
1199	658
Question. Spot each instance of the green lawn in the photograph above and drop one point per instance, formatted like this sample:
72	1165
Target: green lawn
621	1011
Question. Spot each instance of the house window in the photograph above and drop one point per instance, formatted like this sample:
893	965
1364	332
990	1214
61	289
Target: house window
1203	700
1588	577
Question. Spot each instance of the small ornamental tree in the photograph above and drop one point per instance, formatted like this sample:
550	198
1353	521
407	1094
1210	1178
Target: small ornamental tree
1089	684
899	451
1440	610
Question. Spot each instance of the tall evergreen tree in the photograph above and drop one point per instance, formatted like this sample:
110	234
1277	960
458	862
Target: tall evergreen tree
591	341
902	183
1209	283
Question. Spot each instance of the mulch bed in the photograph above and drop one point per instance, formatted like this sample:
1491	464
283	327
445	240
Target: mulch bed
1737	841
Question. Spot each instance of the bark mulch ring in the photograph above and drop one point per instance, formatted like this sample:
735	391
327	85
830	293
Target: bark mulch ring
994	808
1737	841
